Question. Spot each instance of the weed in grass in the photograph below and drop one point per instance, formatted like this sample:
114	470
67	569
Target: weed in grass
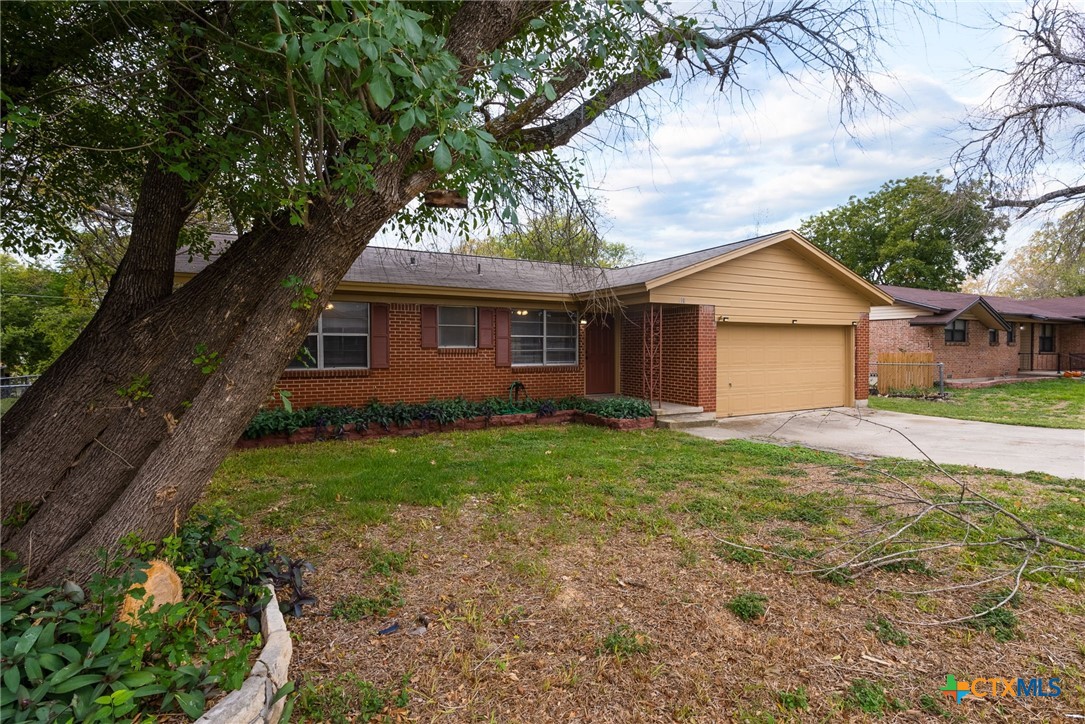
930	705
355	608
688	558
794	700
807	510
347	697
887	632
798	552
836	576
739	555
748	606
868	696
383	562
1000	622
623	640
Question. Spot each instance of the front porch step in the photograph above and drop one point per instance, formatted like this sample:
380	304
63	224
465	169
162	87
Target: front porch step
686	420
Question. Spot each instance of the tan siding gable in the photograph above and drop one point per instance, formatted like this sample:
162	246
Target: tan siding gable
774	284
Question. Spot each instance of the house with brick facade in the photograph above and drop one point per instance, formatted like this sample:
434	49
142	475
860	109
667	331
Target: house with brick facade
762	325
981	336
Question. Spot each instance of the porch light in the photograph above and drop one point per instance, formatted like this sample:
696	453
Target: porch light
583	321
794	321
521	312
329	305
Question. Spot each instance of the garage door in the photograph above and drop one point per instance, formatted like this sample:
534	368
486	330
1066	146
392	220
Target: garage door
773	368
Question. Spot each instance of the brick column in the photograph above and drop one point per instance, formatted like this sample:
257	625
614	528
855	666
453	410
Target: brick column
862	357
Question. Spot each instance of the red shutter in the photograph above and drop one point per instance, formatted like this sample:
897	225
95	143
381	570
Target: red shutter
485	328
429	327
378	336
503	351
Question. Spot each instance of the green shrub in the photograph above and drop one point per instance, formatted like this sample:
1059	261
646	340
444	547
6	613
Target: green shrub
1000	622
67	657
624	640
748	606
348	697
334	422
887	632
869	696
795	700
355	608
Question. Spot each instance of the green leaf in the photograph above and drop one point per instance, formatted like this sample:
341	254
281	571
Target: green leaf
406	121
76	682
136	679
283	15
549	92
380	87
98	644
484	151
191	702
442	157
349	54
33	669
316	65
414	33
27	640
11	678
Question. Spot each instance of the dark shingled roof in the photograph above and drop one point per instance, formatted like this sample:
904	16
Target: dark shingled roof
1065	309
414	267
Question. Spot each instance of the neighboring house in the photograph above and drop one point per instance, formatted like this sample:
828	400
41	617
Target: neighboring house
761	325
981	336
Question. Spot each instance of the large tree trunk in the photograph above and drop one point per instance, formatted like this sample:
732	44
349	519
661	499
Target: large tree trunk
123	432
85	464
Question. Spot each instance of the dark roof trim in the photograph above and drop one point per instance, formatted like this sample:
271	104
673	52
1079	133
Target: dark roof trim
944	319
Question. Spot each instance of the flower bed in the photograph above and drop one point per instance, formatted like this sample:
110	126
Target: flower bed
275	427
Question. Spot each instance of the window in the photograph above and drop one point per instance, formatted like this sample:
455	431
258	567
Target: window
543	337
457	327
1011	334
340	338
992	337
1047	337
957	331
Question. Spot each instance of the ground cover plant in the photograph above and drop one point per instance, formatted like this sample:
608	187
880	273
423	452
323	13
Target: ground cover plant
1047	403
376	415
578	572
68	657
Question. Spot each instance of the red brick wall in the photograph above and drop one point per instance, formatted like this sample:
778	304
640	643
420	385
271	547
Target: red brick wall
862	357
974	358
689	355
1070	339
417	375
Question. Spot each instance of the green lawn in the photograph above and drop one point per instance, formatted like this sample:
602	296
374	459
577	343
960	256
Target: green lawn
580	571
5	404
1049	403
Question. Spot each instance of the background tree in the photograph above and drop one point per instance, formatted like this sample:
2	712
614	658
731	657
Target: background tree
914	232
568	235
312	126
1050	264
1030	135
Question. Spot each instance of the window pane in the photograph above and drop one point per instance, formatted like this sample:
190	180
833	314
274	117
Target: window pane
346	351
560	324
346	318
463	316
456	336
529	324
560	357
306	356
527	350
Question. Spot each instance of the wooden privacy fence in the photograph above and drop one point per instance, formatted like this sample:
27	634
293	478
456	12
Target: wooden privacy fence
905	371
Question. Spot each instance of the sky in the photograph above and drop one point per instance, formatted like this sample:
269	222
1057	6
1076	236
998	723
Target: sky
709	173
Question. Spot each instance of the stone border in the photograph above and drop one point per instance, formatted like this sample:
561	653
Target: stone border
251	704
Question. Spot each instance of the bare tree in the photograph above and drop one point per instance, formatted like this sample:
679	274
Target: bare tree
1030	135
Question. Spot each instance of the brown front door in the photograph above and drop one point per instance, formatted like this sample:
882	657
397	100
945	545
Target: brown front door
599	356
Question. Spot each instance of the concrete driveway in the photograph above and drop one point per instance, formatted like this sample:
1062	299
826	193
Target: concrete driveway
866	433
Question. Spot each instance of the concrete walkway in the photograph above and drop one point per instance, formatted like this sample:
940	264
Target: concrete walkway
867	433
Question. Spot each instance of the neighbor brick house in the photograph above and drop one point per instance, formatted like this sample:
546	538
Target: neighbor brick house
766	324
981	336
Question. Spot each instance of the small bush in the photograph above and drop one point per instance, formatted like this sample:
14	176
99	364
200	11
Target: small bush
1001	622
887	632
348	697
739	555
795	700
625	641
868	696
748	606
930	705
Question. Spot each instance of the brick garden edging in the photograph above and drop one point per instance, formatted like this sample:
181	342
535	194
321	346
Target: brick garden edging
251	704
561	417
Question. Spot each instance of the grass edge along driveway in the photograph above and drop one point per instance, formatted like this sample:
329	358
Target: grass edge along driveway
1058	403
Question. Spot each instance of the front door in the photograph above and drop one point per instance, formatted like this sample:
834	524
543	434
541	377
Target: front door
599	356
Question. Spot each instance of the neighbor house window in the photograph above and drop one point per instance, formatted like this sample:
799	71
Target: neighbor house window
1011	334
457	327
957	331
1047	337
992	337
339	339
543	337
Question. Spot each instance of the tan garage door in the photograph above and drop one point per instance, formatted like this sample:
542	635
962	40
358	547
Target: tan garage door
773	368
